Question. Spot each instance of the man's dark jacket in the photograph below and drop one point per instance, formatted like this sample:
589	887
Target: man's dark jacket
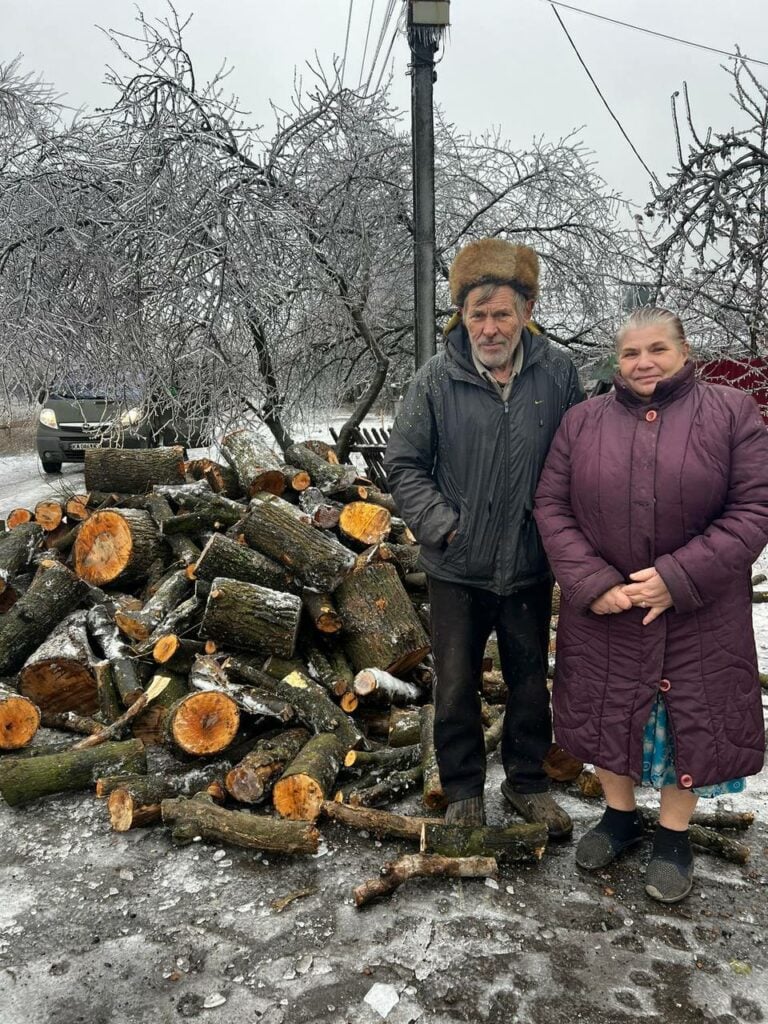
459	458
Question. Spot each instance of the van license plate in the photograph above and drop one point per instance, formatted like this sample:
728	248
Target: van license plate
79	446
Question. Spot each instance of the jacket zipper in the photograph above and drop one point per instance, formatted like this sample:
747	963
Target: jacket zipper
503	552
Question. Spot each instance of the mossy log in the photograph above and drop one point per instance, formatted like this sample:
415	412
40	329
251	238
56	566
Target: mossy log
116	545
317	559
509	844
322	612
224	557
101	626
60	674
381	628
139	625
251	617
256	465
19	719
306	782
202	724
388	759
133	801
327	664
17	549
23	780
404	727
312	704
363	523
132	471
422	865
201	817
433	796
54	592
108	697
251	780
185	551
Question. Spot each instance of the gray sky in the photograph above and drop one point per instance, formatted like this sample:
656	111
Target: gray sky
507	62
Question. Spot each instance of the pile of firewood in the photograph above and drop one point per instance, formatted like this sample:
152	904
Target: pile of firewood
266	624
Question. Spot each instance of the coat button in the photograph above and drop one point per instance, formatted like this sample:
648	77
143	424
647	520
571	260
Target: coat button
686	781
665	685
651	415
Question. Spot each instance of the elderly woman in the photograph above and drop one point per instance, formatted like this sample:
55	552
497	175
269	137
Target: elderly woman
652	507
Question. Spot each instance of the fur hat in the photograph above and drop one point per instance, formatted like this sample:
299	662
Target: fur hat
494	261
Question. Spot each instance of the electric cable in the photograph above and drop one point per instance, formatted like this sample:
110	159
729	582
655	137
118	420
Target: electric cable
365	46
346	46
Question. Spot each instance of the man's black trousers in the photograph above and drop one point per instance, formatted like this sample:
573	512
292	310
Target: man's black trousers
462	619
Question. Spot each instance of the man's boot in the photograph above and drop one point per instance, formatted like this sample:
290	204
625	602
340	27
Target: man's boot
539	809
470	811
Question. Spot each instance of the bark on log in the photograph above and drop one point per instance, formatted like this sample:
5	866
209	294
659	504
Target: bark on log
102	628
141	624
323	511
377	497
329	667
404	557
224	557
256	465
184	550
116	545
251	780
399	533
60	674
150	725
296	480
388	759
319	561
306	782
322	449
322	612
19	719
70	721
364	524
562	766
23	780
433	797
329	478
132	471
393	690
708	838
201	817
380	624
134	800
76	508
181	619
312	705
108	697
251	617
49	514
114	729
202	724
393	787
207	676
422	865
17	549
512	843
177	653
382	824
54	592
404	727
221	479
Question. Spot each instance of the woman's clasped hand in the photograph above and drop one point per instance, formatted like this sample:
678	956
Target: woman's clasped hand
648	590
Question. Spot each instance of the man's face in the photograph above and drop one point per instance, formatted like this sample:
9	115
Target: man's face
495	324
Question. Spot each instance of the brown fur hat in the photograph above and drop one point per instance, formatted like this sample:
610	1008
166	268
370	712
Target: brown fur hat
494	261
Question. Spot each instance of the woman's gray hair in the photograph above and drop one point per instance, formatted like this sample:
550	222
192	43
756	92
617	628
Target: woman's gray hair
651	316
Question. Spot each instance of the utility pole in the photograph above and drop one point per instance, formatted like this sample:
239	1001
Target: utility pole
427	21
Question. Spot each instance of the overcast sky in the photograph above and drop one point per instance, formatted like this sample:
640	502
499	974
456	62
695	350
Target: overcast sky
506	62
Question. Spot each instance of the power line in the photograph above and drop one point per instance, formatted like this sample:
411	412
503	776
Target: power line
660	35
386	58
554	7
346	45
388	12
365	47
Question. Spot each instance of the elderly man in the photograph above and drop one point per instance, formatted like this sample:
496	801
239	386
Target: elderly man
463	462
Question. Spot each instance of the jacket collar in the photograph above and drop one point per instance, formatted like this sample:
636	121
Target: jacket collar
666	391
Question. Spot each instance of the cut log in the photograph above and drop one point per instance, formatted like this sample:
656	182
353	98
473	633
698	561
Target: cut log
364	524
389	789
323	511
114	729
109	698
150	724
19	719
328	665
589	784
132	471
251	781
54	592
207	676
312	705
399	533
76	508
322	449
393	690
708	838
377	497
251	617
321	611
134	800
405	557
184	550
202	724
306	782
116	545
296	480
200	817
388	759
125	676
181	619
221	479
49	514
383	824
279	668
329	478
17	549
70	721
404	727
319	561
17	516
176	653
509	844
60	674
256	465
224	557
422	865
433	797
23	780
380	625
494	689
492	736
562	766
139	625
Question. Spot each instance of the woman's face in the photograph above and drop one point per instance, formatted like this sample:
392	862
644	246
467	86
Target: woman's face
648	355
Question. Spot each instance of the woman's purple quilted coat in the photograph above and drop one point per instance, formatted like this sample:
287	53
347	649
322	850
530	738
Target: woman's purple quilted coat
680	483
